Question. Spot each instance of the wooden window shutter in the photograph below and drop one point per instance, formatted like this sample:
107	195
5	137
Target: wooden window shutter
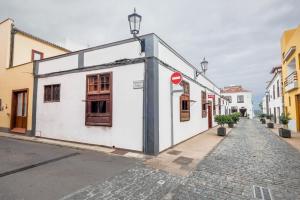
99	100
204	101
185	102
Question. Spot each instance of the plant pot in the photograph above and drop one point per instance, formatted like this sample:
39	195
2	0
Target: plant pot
285	133
263	121
270	125
230	125
221	131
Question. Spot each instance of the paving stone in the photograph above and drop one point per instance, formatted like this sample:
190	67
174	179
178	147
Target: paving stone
249	155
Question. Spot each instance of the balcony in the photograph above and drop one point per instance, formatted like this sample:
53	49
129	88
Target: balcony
291	82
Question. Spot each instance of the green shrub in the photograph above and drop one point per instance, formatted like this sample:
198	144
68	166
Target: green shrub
229	119
269	116
221	119
262	115
284	118
235	117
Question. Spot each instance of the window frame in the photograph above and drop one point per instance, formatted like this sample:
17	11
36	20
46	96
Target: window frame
185	115
99	95
237	99
33	51
52	100
204	104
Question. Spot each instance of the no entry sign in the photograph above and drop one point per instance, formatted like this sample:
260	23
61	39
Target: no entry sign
176	78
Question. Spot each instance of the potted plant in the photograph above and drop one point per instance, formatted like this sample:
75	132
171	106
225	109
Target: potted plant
284	131
235	117
262	118
270	124
221	120
229	121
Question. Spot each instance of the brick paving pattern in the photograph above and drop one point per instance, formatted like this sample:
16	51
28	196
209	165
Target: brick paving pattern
249	156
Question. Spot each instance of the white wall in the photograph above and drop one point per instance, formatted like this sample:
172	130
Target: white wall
182	130
275	102
59	64
65	120
247	102
96	57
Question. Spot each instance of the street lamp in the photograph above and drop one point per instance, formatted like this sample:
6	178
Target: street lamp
134	20
203	64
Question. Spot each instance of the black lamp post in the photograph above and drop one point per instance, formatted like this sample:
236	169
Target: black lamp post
134	24
203	64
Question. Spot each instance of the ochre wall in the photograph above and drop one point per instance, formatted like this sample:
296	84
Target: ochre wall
289	39
5	29
23	49
13	79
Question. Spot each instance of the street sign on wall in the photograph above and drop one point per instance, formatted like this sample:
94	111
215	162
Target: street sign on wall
176	78
211	96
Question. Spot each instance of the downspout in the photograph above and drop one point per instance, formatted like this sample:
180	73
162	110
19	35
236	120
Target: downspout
12	44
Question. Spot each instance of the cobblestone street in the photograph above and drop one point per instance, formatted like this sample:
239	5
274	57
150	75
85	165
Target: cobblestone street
250	156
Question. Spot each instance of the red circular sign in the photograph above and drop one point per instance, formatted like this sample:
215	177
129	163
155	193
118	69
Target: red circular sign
176	78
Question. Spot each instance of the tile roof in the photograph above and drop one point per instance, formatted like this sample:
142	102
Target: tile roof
234	89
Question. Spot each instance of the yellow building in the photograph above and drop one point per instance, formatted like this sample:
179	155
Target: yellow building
18	50
290	51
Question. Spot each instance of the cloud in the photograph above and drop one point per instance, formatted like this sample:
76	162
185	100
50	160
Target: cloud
240	39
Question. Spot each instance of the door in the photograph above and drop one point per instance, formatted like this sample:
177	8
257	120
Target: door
209	116
19	111
275	116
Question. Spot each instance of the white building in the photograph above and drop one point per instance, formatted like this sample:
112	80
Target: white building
240	100
264	105
116	96
273	97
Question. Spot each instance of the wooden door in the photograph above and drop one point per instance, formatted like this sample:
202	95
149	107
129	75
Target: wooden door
209	116
275	116
19	111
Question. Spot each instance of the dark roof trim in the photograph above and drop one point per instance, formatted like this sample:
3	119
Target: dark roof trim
39	39
182	58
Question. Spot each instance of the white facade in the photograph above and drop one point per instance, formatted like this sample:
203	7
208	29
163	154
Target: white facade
264	104
65	120
240	100
274	100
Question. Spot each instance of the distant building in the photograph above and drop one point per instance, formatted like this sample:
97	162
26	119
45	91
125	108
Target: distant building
290	51
273	97
240	100
264	105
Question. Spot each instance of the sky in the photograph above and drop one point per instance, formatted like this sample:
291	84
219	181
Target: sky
239	39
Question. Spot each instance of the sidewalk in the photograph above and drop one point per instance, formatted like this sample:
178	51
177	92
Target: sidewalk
184	157
76	145
294	140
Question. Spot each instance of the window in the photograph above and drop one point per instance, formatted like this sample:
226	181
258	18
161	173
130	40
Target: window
52	93
278	89
1	105
36	55
274	92
214	106
99	100
240	98
219	102
185	102
289	101
229	99
204	101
